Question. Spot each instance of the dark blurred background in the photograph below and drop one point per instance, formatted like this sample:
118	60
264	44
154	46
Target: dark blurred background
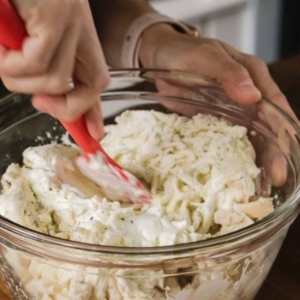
269	29
290	28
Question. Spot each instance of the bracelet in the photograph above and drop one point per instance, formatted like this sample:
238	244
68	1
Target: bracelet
132	41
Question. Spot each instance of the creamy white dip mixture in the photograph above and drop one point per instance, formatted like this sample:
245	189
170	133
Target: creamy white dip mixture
200	171
203	181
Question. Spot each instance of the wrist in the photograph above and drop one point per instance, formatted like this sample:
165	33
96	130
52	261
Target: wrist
156	30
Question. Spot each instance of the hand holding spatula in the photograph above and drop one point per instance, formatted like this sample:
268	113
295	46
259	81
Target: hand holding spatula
116	183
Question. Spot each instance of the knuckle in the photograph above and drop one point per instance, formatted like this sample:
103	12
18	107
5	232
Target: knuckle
69	115
213	42
210	44
57	85
72	112
237	69
101	82
37	66
258	63
63	112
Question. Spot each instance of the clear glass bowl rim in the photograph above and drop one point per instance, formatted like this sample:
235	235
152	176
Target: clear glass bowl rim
286	211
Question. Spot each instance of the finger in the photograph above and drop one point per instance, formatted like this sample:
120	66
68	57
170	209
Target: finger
56	80
209	58
276	154
234	77
94	121
90	79
174	90
44	36
261	76
91	70
278	170
263	80
91	67
68	107
80	101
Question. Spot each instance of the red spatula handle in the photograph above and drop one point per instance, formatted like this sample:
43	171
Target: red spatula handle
12	35
12	29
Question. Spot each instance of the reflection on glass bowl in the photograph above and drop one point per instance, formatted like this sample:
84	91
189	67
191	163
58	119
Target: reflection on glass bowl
229	267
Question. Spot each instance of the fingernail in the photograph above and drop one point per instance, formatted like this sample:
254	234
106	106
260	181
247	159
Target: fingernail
248	89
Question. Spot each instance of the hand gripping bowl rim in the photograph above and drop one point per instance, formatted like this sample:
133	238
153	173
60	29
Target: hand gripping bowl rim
288	210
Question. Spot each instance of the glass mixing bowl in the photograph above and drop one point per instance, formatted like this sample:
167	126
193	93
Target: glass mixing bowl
229	267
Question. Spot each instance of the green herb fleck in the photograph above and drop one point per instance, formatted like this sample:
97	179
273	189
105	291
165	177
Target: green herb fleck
36	223
18	98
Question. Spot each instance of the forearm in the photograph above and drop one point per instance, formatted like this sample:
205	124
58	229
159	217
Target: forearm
112	19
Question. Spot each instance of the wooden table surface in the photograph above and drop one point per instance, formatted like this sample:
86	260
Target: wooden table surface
283	282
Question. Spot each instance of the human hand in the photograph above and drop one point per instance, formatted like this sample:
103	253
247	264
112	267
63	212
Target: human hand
244	78
62	44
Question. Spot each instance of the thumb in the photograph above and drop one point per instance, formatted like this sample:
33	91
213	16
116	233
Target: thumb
237	82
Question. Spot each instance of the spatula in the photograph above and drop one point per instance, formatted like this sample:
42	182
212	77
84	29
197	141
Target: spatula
116	183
